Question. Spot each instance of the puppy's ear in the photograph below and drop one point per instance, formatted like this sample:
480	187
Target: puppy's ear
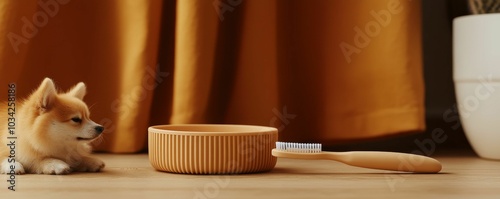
78	91
46	93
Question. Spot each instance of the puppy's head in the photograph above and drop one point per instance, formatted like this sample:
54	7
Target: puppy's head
62	117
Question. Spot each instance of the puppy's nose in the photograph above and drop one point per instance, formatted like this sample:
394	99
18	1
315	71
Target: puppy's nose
99	129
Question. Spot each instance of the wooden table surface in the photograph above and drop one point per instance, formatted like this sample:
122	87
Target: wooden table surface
131	176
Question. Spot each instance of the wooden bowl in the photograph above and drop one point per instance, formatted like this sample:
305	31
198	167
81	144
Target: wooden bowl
212	148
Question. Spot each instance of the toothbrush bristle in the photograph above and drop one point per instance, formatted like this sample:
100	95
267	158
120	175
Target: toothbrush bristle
299	147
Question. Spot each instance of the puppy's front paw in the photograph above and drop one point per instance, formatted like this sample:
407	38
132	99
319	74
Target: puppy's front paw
92	164
54	166
11	168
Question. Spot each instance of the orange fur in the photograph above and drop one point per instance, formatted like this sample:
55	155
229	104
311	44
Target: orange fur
53	133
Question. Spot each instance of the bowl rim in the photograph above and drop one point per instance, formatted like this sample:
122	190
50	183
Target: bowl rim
475	17
212	129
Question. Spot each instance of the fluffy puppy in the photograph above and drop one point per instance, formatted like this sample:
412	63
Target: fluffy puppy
53	132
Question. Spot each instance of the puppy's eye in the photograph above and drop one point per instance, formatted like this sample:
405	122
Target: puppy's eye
76	119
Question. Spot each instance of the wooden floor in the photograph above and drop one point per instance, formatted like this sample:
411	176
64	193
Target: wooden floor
131	176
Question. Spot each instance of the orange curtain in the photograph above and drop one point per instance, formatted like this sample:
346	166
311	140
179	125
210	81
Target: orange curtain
329	71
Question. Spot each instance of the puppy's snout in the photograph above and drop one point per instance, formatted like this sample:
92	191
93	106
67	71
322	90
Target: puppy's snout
99	129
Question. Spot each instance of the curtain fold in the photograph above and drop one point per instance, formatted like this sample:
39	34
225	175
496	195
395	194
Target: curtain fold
195	46
329	71
110	45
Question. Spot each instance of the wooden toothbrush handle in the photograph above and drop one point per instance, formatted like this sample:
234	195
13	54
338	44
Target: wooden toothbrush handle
387	161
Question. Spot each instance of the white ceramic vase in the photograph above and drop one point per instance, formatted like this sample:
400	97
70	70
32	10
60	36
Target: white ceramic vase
476	73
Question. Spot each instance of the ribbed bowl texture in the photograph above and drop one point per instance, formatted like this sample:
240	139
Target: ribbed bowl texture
212	148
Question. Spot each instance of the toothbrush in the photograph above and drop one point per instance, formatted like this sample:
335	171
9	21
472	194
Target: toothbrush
367	159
